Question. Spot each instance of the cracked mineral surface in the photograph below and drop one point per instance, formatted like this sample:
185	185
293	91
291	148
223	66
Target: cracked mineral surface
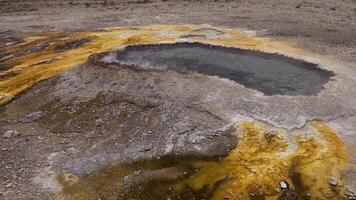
77	123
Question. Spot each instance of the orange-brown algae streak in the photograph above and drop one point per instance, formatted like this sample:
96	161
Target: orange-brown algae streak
253	168
32	73
317	160
263	159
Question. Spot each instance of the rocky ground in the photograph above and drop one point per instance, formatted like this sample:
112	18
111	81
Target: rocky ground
100	115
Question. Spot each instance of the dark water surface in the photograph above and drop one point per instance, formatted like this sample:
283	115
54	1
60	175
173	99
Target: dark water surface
272	74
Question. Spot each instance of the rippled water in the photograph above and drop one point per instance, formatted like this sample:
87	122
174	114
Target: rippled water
272	74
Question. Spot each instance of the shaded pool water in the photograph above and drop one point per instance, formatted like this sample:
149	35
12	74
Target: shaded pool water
272	74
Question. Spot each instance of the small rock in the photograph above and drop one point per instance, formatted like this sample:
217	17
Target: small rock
332	181
7	134
284	185
351	196
348	188
10	133
8	185
99	122
147	149
349	193
32	117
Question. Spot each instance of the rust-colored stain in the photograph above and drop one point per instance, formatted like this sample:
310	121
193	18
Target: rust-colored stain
264	157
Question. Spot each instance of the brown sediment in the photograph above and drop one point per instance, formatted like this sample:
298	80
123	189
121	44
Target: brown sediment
253	170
